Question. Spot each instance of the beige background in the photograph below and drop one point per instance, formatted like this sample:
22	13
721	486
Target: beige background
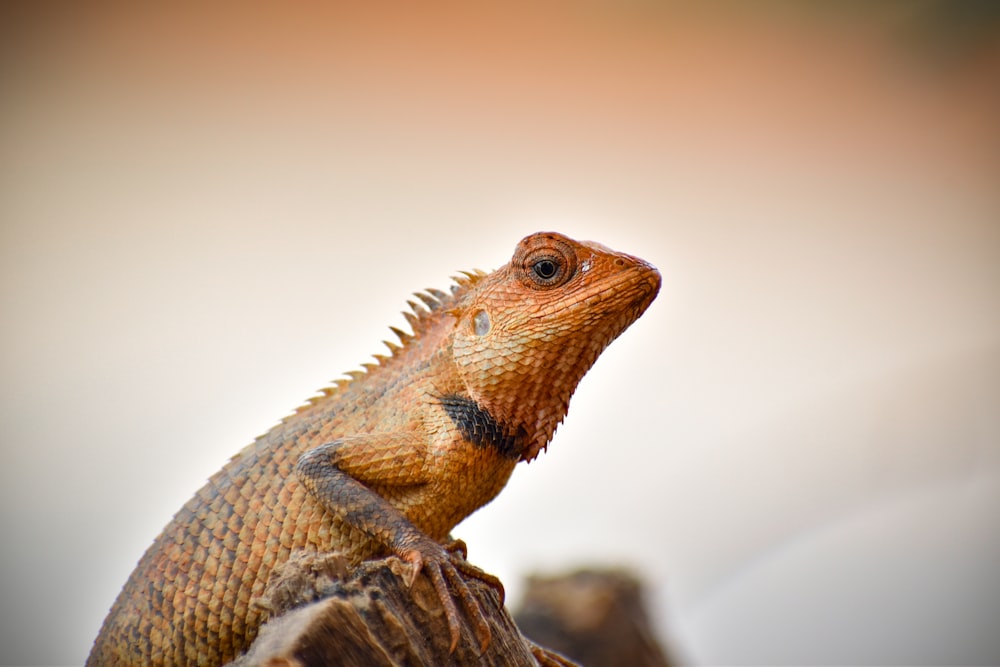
209	214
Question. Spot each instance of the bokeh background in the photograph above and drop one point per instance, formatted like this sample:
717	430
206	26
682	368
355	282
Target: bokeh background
207	212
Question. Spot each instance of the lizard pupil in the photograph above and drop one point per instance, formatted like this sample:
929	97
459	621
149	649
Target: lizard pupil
545	269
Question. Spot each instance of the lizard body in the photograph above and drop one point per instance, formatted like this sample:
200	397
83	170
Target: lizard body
389	461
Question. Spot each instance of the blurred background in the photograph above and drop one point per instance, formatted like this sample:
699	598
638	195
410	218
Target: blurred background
209	212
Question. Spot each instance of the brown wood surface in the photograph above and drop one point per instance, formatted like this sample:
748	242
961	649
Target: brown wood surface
321	614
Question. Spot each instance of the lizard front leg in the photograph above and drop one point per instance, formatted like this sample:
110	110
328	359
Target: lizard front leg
337	474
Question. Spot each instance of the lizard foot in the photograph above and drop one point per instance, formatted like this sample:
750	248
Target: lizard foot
445	568
460	559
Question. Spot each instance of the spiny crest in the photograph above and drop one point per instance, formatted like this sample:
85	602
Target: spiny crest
419	317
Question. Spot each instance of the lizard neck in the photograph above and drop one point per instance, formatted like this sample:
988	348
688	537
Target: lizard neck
537	403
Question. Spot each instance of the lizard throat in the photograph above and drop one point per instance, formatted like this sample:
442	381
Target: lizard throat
482	429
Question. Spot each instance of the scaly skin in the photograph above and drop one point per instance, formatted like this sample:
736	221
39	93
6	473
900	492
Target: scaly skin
389	461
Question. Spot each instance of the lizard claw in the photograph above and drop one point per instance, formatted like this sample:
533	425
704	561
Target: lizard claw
548	658
456	546
416	560
444	567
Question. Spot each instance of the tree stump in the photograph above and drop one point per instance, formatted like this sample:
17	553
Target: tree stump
323	613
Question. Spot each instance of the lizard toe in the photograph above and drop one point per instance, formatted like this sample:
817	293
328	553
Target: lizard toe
470	570
471	605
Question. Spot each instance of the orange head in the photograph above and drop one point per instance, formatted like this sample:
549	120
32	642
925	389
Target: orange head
528	332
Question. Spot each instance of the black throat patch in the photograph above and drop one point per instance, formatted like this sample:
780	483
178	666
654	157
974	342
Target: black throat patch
480	428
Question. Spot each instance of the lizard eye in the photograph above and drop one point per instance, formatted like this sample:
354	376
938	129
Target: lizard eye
549	266
545	269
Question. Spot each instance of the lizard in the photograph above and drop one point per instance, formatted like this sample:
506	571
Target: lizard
389	460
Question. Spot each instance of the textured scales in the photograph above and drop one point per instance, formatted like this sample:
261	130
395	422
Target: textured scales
389	461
